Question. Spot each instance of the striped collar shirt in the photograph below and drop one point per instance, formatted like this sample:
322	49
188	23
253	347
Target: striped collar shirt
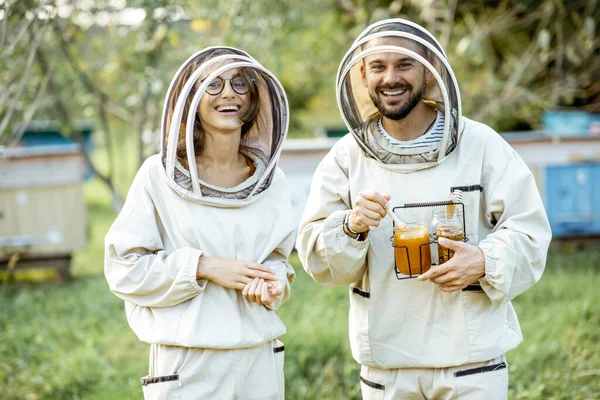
432	136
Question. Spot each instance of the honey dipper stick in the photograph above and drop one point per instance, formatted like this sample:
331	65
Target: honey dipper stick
455	197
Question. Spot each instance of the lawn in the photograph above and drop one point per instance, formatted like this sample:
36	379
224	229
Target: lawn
71	341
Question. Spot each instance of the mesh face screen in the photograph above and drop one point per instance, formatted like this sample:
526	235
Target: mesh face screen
397	57
263	132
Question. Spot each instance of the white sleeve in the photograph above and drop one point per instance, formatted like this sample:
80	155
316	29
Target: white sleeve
515	252
328	255
137	267
278	262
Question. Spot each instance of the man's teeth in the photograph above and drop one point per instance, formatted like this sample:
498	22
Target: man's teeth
394	93
227	108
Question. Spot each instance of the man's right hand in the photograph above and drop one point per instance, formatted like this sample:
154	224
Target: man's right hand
231	273
368	209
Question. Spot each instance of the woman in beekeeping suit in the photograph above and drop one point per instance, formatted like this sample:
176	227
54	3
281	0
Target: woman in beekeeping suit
199	251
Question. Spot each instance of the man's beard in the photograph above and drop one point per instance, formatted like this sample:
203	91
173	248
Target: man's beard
393	112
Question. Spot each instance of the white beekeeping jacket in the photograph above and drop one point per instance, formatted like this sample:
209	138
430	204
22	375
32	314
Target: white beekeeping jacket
403	323
171	218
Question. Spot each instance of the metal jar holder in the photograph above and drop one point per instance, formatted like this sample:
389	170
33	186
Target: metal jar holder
418	271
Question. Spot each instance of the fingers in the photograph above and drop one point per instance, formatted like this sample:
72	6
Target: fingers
270	292
368	209
245	290
359	222
243	280
372	202
450	244
369	214
375	197
259	267
252	289
446	278
265	296
259	271
258	292
262	292
433	273
276	289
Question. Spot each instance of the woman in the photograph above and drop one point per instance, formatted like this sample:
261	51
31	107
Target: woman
199	251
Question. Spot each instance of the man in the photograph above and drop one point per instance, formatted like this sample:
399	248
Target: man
443	334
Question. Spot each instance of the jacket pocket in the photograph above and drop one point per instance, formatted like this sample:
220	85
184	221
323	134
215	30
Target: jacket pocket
160	387
279	354
484	381
360	292
359	317
480	370
371	390
163	379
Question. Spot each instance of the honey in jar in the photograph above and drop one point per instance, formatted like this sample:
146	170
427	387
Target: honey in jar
411	246
449	225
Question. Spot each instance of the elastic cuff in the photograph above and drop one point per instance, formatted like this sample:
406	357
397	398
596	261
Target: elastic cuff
490	262
488	283
197	285
360	236
333	228
202	283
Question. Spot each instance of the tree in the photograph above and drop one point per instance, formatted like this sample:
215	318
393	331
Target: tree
47	72
111	60
513	59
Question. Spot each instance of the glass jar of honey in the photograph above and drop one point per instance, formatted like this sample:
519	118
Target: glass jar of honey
411	249
448	223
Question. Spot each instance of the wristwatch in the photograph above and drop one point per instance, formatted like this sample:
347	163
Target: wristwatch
359	235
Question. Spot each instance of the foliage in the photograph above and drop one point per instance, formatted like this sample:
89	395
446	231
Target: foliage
513	60
111	61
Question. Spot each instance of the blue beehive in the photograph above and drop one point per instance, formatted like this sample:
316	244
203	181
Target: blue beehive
568	123
573	199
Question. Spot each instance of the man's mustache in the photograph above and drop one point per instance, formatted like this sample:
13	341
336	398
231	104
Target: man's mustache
401	86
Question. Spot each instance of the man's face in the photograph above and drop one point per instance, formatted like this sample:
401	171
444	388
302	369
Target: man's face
396	82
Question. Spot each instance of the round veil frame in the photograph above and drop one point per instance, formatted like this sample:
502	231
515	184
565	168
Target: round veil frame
180	104
410	53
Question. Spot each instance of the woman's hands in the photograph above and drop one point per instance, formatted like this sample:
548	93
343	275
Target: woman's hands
231	273
262	292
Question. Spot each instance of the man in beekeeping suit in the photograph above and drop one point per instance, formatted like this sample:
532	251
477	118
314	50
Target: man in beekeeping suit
442	333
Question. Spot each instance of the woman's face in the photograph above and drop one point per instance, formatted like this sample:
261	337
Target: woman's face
219	113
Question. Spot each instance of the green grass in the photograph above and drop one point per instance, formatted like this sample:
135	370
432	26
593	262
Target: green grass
71	341
560	318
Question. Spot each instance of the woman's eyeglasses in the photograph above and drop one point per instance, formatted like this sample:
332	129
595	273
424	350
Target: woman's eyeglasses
238	84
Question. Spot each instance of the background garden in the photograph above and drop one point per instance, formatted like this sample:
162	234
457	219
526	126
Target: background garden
72	341
110	61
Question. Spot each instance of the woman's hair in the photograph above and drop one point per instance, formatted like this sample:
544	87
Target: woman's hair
247	113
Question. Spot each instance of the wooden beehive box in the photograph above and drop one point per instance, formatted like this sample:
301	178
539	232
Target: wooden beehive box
42	209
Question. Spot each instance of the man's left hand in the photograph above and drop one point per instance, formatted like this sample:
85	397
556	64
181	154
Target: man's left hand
464	268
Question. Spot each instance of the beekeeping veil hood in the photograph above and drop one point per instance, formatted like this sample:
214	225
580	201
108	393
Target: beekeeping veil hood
262	137
441	93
